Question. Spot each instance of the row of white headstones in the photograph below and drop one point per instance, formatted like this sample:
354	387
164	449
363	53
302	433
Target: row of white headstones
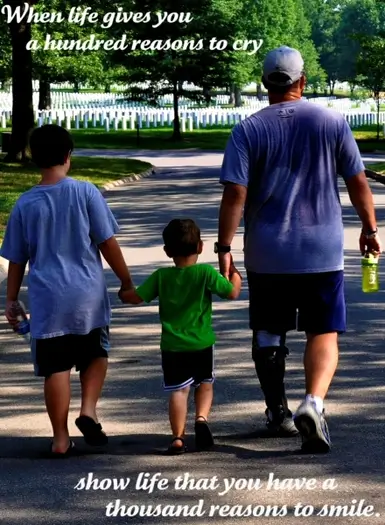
102	111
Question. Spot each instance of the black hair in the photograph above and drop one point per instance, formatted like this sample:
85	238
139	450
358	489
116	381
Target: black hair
281	78
181	238
50	146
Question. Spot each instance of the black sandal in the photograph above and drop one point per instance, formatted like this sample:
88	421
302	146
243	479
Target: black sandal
203	438
176	451
92	431
71	450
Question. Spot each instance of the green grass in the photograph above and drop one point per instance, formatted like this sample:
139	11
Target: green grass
214	138
204	139
16	179
378	167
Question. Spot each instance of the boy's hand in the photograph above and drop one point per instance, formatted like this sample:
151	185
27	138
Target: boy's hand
10	313
233	269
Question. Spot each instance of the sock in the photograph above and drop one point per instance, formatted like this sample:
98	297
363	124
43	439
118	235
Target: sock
318	401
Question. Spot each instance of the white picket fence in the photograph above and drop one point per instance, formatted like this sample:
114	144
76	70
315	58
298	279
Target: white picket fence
112	112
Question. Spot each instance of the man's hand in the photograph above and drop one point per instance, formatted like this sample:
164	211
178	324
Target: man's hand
370	245
225	261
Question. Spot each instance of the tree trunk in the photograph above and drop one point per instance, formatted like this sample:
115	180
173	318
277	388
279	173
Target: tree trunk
232	95
176	135
238	96
332	83
107	88
76	86
259	91
44	94
378	116
206	94
22	106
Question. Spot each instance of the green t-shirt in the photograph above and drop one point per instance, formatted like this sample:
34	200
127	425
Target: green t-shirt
185	304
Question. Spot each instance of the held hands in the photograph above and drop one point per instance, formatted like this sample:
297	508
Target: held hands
125	287
226	265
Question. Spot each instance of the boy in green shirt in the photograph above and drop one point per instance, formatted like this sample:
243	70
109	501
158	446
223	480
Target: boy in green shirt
187	342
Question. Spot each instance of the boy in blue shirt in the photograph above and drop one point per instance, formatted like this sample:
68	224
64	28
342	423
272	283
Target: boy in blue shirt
60	227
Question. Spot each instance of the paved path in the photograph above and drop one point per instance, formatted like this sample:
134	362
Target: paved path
35	491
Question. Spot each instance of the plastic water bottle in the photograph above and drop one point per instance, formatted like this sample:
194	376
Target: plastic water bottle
370	280
22	328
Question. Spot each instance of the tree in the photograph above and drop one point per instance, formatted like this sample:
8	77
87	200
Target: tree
22	108
156	72
371	65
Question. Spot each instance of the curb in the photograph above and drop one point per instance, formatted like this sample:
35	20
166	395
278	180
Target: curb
375	176
122	182
4	263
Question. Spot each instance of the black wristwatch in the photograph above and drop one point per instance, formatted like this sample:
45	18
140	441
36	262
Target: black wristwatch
370	234
219	248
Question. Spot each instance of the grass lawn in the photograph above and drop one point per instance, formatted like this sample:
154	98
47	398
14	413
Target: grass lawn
378	167
16	179
204	139
213	138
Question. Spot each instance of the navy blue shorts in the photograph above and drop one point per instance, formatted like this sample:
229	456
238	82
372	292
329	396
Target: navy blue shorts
312	303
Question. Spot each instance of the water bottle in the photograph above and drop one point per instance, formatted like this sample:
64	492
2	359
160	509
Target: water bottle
370	280
22	328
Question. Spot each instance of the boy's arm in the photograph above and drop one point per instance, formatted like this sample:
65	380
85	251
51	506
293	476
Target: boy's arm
16	273
103	228
145	293
236	281
226	289
15	250
112	253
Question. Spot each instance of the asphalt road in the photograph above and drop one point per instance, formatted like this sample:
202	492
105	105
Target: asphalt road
37	491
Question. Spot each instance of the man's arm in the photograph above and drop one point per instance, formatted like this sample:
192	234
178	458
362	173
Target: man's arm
230	212
361	198
235	178
352	169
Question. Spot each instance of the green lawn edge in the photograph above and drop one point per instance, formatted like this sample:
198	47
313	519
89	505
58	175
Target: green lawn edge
16	179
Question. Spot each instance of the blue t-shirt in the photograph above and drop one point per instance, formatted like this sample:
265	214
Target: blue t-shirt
289	156
57	229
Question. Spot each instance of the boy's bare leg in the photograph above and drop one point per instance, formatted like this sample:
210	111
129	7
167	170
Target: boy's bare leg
92	381
203	400
57	392
178	413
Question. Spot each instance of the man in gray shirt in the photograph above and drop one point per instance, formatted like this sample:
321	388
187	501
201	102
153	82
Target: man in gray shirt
281	167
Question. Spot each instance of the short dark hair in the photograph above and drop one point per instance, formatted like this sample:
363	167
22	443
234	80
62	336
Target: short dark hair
50	146
181	238
278	77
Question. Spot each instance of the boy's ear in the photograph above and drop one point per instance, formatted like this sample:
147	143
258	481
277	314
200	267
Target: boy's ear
200	247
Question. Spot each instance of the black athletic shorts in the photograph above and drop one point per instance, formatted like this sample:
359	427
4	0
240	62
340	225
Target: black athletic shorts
183	369
59	354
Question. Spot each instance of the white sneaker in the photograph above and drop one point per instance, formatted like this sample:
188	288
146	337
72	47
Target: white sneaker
313	429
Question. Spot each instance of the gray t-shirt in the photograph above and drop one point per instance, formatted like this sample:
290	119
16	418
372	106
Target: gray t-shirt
289	155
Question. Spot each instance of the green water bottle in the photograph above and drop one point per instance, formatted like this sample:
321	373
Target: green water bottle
370	281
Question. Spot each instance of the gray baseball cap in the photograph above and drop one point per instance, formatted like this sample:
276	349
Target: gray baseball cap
284	60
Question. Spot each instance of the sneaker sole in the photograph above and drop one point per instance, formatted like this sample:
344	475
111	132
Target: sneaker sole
311	432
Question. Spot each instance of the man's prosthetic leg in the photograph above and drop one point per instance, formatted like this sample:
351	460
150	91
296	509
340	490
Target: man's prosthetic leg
269	355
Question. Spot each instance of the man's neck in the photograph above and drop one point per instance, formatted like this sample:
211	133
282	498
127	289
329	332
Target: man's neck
286	97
